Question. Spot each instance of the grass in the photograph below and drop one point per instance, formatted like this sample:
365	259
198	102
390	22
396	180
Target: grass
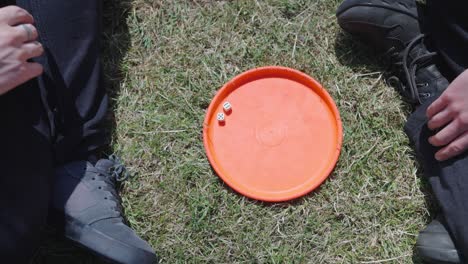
166	59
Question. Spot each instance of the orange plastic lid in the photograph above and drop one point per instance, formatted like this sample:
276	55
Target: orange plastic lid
279	140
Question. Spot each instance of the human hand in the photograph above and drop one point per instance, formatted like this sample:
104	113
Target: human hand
17	46
450	112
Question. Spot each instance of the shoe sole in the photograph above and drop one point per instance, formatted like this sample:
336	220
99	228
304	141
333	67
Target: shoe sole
437	256
346	5
90	239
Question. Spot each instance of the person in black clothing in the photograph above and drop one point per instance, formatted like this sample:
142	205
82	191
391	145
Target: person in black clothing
422	41
52	110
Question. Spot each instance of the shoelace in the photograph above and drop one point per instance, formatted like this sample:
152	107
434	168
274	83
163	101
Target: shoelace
410	69
117	173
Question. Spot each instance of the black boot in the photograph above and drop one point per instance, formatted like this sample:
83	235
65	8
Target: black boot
435	245
86	199
392	27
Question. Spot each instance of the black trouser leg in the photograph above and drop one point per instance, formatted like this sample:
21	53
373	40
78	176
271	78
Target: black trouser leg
448	27
26	169
66	106
77	102
448	179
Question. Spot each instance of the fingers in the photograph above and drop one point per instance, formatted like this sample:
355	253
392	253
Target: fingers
456	127
440	119
457	147
23	73
437	106
26	51
13	15
25	33
446	135
31	70
30	50
27	71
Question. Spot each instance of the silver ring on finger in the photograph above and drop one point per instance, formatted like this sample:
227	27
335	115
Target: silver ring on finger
29	32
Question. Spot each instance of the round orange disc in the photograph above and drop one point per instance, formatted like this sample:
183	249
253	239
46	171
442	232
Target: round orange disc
280	139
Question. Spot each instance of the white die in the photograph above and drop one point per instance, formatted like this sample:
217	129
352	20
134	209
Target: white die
227	106
220	117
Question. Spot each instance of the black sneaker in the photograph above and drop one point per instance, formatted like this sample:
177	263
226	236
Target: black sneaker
392	27
435	246
86	198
